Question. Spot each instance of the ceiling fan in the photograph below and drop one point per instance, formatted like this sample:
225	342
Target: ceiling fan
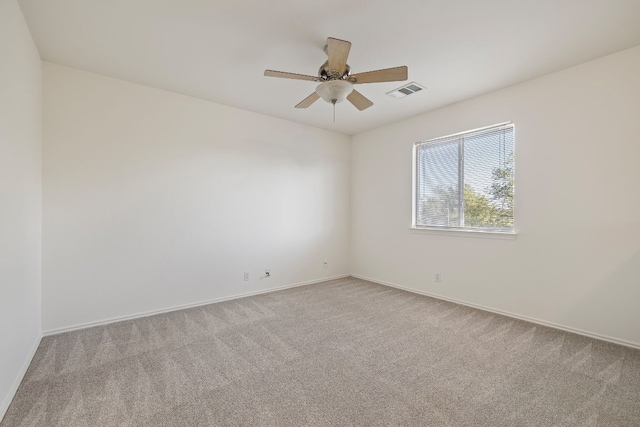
336	80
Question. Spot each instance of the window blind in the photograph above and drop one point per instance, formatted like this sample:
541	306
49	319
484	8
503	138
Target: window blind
466	181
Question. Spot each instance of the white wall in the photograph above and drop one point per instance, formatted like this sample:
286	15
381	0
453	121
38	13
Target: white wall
20	198
576	260
153	200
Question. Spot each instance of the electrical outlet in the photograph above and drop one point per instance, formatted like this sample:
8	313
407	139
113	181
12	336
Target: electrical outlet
438	278
246	276
325	264
267	273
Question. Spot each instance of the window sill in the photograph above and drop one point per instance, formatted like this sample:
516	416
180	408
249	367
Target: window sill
465	233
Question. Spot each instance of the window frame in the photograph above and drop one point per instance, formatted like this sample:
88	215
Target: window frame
453	230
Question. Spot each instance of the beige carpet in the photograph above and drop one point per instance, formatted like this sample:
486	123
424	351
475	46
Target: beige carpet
344	352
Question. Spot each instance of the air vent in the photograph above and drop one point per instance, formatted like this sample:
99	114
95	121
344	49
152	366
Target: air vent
405	90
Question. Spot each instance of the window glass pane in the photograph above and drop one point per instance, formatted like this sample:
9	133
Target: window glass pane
437	201
488	179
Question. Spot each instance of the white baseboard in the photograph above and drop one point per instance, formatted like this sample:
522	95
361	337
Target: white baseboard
508	314
184	306
18	380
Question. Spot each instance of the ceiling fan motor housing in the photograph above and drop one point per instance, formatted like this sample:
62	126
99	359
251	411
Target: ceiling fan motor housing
326	74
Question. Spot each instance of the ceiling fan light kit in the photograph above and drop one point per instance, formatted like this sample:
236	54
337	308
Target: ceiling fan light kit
334	91
336	80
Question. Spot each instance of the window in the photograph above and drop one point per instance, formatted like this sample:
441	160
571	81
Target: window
466	181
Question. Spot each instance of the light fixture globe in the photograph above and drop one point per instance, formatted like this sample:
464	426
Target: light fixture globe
334	91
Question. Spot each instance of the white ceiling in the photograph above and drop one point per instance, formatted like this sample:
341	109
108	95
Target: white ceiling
218	49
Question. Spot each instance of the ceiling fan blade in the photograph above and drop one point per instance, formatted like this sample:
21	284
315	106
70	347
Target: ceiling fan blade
305	103
360	101
387	75
338	52
284	75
